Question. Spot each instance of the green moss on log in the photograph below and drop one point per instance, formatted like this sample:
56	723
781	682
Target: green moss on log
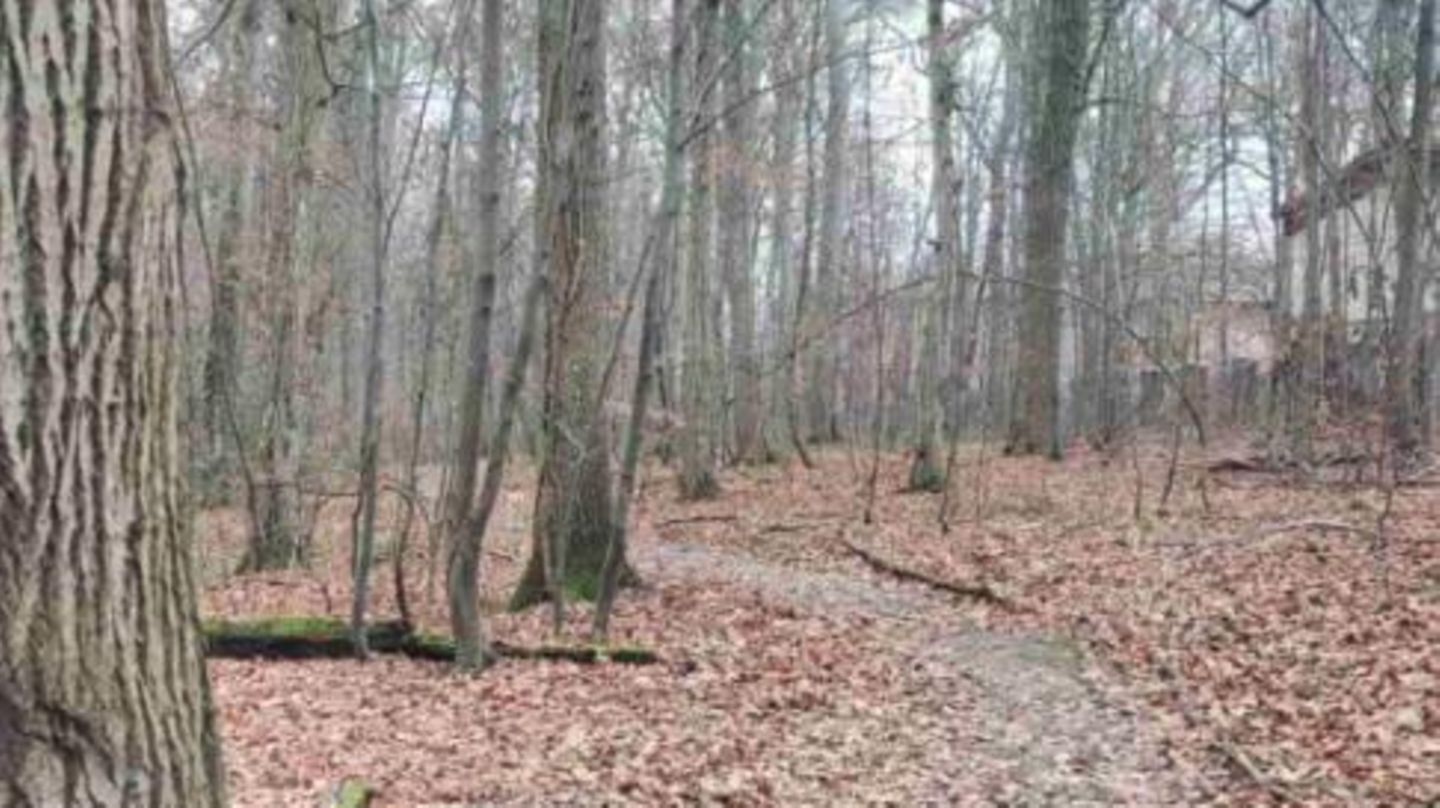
327	638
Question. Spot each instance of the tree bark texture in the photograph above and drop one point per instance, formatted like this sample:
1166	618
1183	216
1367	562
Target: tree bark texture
103	693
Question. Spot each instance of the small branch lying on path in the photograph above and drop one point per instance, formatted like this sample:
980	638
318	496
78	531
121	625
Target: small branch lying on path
1242	761
1320	525
980	592
323	638
699	519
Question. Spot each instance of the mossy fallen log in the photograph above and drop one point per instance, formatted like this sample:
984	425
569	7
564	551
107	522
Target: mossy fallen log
326	638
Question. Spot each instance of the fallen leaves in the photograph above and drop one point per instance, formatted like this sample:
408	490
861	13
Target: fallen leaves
1256	664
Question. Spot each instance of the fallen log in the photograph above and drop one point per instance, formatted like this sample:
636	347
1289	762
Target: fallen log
324	638
980	592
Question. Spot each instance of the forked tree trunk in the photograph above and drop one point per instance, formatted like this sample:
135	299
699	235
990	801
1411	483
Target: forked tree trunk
103	693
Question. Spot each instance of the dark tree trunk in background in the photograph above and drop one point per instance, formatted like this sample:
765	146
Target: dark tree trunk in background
1405	394
822	377
1063	34
103	693
222	358
276	542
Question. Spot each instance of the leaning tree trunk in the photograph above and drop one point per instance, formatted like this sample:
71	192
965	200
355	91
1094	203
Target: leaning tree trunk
573	522
660	268
1063	28
103	694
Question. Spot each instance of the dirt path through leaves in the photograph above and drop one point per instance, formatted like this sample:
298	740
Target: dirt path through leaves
1014	719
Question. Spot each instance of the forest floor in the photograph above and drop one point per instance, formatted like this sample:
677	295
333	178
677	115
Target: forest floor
1253	641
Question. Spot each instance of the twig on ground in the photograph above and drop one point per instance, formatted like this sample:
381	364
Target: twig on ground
699	519
980	592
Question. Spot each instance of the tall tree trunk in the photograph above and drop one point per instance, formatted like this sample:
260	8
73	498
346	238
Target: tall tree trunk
698	440
737	167
671	194
363	528
1064	34
1309	347
464	563
1405	395
103	693
276	543
441	215
998	314
1389	85
222	358
573	521
822	381
785	59
926	471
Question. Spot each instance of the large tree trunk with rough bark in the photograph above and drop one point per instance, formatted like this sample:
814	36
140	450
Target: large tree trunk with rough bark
573	523
103	694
